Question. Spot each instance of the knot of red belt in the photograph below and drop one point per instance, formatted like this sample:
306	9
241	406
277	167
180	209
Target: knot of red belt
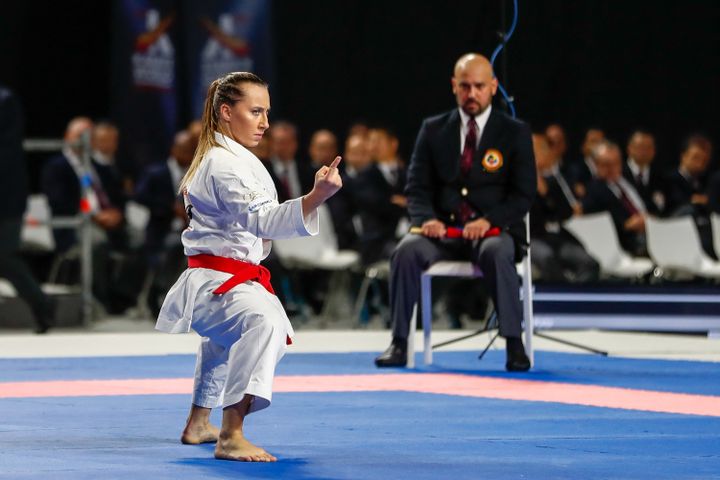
241	271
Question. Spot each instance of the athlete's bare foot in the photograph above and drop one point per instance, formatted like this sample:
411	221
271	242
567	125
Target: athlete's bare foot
237	447
198	428
197	434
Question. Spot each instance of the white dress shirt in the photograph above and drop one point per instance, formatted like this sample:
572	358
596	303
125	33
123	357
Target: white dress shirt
480	120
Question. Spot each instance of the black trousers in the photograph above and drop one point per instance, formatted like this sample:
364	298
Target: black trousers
16	271
494	255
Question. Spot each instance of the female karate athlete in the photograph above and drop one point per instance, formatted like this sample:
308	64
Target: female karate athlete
225	295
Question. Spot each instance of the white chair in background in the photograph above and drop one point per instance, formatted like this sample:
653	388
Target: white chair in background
715	224
596	232
674	245
137	217
36	234
320	252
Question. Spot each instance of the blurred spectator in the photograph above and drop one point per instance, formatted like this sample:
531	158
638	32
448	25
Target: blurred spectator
686	188
14	185
157	189
583	172
557	140
357	155
61	181
322	151
104	145
640	171
686	185
323	148
612	193
358	128
294	178
378	191
556	255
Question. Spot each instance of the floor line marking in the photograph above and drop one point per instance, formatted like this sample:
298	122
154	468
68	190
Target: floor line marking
435	383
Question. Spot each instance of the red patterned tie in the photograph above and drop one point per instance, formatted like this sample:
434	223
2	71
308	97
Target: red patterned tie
466	211
469	148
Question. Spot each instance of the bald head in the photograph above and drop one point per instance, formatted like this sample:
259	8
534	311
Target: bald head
183	148
473	83
76	127
323	148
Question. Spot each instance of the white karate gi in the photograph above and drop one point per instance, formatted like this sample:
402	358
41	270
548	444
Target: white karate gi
235	213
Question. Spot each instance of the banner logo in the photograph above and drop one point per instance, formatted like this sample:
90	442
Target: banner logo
153	63
225	50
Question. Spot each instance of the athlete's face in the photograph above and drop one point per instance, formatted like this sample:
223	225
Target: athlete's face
247	119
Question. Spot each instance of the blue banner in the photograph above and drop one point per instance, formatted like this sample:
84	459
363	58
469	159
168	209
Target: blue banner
145	84
223	36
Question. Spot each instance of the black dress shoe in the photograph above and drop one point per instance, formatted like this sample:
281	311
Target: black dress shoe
517	362
394	356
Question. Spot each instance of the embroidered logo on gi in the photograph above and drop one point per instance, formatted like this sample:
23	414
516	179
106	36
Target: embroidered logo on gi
188	205
493	160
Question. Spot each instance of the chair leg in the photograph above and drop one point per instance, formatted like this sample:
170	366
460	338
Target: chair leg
411	339
362	297
527	300
426	298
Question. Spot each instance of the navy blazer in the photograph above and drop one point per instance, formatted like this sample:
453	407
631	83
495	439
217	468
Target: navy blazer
503	196
678	193
654	188
61	185
378	216
155	191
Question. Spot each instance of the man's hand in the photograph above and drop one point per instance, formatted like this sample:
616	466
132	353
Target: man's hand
399	200
109	218
699	199
542	186
476	229
635	223
434	229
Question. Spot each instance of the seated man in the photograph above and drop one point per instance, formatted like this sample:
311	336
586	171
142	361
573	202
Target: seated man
63	179
686	189
490	185
642	173
378	194
611	192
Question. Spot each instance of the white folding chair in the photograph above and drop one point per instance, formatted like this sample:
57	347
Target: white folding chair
319	252
715	225
596	232
468	270
36	233
674	244
137	217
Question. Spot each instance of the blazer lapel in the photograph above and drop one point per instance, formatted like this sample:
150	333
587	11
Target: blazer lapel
450	138
489	135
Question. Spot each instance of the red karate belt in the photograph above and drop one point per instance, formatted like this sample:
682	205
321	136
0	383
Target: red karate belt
241	273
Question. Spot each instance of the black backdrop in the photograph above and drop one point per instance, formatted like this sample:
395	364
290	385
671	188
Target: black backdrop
616	64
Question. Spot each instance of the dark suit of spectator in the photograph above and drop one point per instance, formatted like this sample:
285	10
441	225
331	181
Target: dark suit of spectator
379	216
650	184
603	196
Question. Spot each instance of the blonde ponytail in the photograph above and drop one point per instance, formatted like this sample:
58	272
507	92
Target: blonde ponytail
224	90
